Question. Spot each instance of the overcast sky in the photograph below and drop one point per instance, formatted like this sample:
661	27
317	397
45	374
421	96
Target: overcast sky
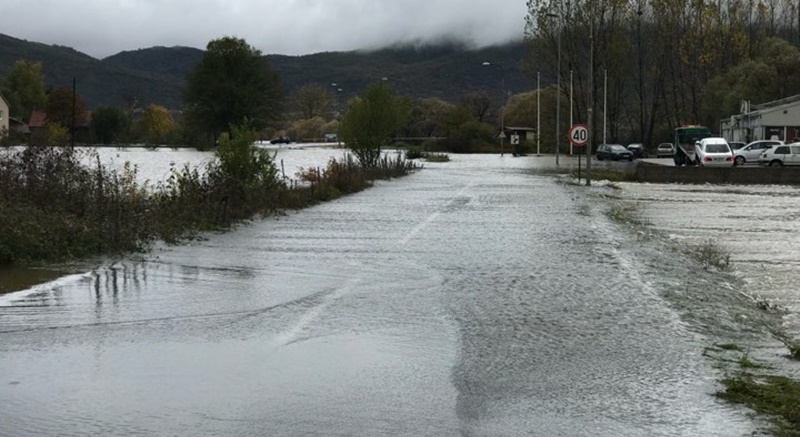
291	27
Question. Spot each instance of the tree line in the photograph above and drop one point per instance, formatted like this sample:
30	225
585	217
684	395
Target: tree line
668	62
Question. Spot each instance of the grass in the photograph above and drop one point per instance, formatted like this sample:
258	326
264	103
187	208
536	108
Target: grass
775	396
730	347
623	213
711	255
794	349
436	157
607	175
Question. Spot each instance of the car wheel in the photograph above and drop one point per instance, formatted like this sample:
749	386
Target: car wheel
776	163
739	160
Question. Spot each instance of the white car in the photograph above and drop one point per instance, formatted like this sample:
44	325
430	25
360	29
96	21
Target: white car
751	153
784	154
713	152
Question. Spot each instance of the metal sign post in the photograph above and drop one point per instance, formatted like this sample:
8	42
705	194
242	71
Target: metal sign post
578	136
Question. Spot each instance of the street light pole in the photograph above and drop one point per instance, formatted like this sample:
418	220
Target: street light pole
507	98
538	112
558	99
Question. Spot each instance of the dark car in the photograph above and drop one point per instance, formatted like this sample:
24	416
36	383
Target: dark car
638	150
280	140
614	152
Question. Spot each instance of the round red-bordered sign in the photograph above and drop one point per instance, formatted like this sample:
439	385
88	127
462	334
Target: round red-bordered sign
579	135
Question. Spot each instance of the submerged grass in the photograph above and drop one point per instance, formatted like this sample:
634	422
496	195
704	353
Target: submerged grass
607	175
711	255
775	396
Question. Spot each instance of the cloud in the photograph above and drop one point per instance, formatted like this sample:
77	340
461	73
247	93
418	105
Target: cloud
292	27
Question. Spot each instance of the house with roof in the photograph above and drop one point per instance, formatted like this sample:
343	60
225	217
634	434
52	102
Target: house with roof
776	120
5	117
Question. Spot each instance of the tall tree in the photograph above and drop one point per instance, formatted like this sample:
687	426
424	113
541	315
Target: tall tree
232	85
109	124
314	100
60	105
24	88
478	104
370	121
155	125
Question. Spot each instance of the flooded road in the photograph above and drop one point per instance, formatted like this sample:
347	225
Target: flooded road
474	298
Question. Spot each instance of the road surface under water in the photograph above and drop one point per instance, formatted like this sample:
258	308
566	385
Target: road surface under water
474	298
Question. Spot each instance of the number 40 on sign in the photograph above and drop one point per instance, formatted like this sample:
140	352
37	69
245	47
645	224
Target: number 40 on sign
579	135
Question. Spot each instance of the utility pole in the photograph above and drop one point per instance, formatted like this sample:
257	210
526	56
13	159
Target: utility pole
538	112
558	85
591	102
605	107
571	123
72	130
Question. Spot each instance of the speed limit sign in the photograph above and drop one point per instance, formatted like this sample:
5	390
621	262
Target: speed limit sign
579	135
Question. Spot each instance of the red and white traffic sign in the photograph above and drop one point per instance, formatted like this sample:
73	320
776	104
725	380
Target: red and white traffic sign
579	134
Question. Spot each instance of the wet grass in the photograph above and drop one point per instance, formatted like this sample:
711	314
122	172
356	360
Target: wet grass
775	396
711	255
794	349
730	347
624	213
607	175
436	157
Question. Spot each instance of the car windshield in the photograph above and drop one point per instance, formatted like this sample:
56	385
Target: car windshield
618	148
717	148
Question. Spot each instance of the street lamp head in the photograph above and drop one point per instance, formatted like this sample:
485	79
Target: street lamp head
486	63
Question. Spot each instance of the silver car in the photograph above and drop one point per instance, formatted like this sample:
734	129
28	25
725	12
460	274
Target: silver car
665	150
751	153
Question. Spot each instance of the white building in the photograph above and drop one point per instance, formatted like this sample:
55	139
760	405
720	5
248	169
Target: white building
777	120
4	116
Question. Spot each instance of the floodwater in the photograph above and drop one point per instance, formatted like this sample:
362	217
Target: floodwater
478	297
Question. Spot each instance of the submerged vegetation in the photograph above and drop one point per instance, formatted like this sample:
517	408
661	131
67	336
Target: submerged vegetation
775	396
711	255
52	207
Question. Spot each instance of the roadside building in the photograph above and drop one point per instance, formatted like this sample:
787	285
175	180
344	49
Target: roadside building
4	116
776	120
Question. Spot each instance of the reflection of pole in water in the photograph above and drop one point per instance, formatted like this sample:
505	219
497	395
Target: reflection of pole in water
107	281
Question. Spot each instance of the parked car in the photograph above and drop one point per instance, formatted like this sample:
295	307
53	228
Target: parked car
784	154
736	145
713	152
752	152
665	150
280	140
614	152
638	150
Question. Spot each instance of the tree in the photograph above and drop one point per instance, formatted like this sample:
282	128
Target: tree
232	85
314	100
428	117
60	108
370	121
24	88
478	104
155	124
109	124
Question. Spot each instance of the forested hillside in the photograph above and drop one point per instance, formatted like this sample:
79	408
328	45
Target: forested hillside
157	75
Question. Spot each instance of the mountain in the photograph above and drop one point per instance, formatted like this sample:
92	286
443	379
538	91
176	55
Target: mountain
97	82
157	75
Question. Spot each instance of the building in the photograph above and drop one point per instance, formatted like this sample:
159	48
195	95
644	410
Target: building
4	116
777	120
